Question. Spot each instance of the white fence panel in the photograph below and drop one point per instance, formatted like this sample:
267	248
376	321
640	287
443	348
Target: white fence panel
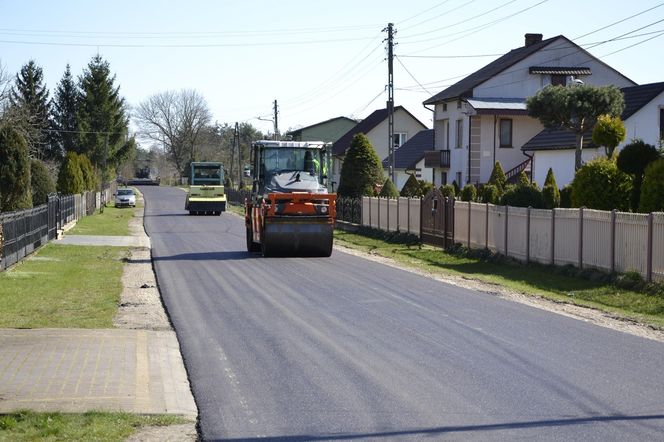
404	225
567	237
658	247
497	228
517	232
631	242
597	239
415	206
366	201
540	236
478	225
461	222
393	218
382	213
374	212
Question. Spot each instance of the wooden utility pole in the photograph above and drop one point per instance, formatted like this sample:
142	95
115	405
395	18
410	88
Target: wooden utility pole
276	124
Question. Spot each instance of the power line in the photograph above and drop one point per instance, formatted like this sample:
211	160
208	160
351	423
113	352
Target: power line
440	15
618	22
423	12
411	75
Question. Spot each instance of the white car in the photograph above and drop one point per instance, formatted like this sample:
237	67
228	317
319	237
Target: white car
125	197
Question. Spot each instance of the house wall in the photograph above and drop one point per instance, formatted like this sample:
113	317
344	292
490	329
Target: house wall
517	82
328	132
644	124
562	163
403	122
458	157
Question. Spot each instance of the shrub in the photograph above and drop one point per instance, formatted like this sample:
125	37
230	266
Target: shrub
457	190
469	193
600	185
550	192
566	196
40	182
652	190
361	169
389	190
88	172
633	159
70	178
523	179
14	171
447	190
424	187
608	132
490	194
411	187
498	178
523	196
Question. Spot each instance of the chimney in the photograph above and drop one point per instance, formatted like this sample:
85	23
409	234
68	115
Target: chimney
532	39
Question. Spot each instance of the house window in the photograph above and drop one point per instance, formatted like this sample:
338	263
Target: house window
505	132
444	107
443	178
458	179
558	80
446	134
459	134
399	139
458	104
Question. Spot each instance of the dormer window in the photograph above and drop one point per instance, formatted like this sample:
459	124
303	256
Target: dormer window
558	75
558	80
444	107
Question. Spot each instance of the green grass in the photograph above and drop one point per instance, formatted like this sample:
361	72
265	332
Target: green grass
63	286
97	426
113	222
533	279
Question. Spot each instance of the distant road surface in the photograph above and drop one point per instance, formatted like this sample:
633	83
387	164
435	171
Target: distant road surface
343	348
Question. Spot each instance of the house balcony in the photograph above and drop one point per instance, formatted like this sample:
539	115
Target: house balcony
437	159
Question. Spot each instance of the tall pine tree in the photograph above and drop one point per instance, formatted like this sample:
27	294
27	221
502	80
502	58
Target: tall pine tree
29	98
102	120
65	119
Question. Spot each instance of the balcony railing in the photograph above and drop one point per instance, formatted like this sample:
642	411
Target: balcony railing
437	158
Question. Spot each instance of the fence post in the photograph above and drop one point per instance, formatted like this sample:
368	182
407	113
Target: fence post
613	241
398	220
581	237
507	211
528	235
469	208
650	239
408	213
553	236
369	210
378	213
486	228
421	217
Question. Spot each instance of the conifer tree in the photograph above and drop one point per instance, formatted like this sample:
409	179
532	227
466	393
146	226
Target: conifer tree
14	170
102	120
64	109
40	182
389	190
498	178
29	98
361	170
70	178
411	187
523	179
550	191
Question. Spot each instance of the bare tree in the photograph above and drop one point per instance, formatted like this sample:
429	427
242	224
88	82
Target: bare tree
175	120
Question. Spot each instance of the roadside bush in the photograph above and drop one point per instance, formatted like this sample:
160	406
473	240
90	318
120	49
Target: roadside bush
88	172
652	190
361	170
490	194
14	171
40	182
550	191
566	196
70	178
457	189
424	187
523	196
498	178
410	188
633	159
447	190
469	193
600	185
389	190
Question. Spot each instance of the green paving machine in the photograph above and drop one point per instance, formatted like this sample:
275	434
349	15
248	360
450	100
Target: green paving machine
206	190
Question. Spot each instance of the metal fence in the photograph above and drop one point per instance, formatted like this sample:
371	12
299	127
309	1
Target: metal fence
349	210
237	196
22	232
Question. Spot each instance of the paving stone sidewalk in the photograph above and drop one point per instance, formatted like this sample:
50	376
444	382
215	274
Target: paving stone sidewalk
136	370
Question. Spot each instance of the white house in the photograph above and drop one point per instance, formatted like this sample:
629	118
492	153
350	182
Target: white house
643	117
483	119
375	128
409	159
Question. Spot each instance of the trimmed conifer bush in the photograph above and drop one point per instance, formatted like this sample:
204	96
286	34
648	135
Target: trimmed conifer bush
600	185
88	173
633	160
652	190
523	196
70	178
411	187
447	190
498	178
41	182
566	197
424	187
469	193
550	192
490	194
457	189
361	170
389	190
523	179
14	171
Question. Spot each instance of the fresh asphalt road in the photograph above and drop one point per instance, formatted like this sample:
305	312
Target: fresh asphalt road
343	348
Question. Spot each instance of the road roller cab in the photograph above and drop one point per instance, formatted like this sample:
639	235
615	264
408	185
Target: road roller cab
206	193
291	211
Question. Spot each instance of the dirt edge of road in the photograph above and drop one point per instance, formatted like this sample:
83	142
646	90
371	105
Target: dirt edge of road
141	308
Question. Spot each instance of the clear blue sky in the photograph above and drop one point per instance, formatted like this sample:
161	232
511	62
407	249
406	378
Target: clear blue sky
319	59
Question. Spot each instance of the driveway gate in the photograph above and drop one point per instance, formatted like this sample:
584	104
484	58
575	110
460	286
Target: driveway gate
437	218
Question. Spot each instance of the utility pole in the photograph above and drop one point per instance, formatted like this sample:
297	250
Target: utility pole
236	141
390	98
276	124
102	196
